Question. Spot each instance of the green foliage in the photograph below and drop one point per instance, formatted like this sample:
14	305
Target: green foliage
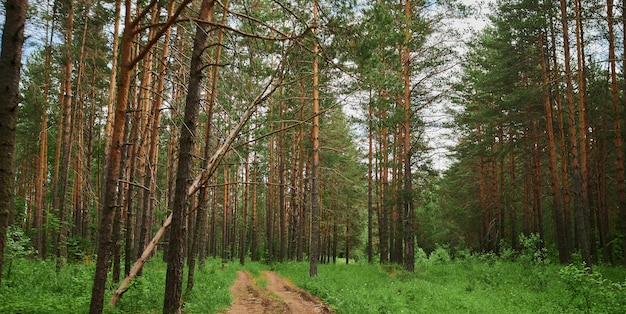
35	287
590	292
78	248
482	283
440	255
17	246
533	250
69	290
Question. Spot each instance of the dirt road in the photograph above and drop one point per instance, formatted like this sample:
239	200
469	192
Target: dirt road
270	294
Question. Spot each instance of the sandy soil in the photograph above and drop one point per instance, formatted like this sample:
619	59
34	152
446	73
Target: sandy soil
270	294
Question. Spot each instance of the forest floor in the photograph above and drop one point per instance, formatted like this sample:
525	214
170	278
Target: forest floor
269	293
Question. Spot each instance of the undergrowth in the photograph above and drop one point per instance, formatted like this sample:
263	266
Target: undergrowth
526	282
512	282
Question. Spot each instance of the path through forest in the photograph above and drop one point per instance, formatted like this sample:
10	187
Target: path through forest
269	293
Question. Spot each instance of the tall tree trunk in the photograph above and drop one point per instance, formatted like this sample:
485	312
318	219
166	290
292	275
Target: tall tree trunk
66	136
282	195
42	170
203	197
582	230
108	128
176	262
244	215
512	193
123	216
370	165
384	206
565	190
269	211
557	207
617	126
583	133
254	219
409	212
315	185
145	141
10	66
77	135
112	171
225	215
105	229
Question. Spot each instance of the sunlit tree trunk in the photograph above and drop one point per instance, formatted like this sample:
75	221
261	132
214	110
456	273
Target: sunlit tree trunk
144	143
254	244
269	210
110	116
282	201
315	185
42	170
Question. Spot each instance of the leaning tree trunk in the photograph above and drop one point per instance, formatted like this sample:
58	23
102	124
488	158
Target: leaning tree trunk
10	65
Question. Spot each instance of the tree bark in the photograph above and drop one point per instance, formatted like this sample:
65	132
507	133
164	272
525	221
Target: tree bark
315	185
176	262
557	204
66	136
577	180
370	179
409	212
617	129
42	170
10	66
128	62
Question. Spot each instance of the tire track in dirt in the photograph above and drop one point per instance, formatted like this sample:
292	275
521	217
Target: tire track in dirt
278	296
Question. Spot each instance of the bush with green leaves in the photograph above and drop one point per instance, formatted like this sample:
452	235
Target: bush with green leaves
590	292
17	246
532	249
440	255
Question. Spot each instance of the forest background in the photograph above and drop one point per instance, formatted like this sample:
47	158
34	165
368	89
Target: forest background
286	130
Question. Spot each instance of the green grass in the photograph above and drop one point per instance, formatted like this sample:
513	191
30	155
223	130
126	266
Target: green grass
469	286
35	287
477	284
